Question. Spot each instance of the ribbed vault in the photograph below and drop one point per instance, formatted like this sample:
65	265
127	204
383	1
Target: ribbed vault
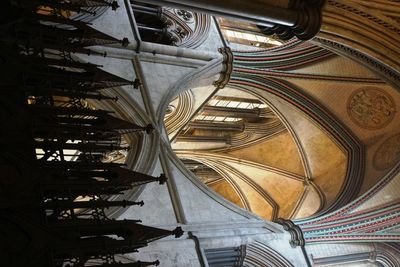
239	146
277	144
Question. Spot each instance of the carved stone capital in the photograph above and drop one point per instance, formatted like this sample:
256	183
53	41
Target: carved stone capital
225	75
308	22
297	238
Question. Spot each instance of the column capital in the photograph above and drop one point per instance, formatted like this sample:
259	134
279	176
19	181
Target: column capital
227	62
297	237
307	25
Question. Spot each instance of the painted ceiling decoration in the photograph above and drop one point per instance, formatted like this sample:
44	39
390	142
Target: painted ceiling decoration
288	57
371	108
255	76
273	71
289	92
388	153
362	31
359	222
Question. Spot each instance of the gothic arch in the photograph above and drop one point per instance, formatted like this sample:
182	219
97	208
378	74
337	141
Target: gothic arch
137	158
381	254
260	255
218	161
323	118
202	76
180	111
387	254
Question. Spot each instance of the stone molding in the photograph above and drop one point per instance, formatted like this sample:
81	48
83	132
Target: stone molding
225	75
186	28
297	237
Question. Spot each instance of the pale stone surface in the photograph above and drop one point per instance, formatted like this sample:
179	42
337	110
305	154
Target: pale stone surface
159	78
326	160
274	152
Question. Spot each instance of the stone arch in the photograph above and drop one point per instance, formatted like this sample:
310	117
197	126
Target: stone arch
260	255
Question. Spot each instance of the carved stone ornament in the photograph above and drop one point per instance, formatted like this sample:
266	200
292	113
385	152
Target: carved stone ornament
185	28
297	237
371	108
187	16
388	153
228	64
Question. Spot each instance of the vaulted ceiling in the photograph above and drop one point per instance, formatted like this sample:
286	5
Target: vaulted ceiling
277	142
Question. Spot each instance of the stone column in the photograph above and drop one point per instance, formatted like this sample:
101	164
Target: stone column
286	18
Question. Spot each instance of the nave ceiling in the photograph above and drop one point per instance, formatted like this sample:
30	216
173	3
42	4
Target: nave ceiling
302	165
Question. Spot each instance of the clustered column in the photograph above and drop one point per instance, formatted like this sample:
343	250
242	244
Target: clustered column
286	18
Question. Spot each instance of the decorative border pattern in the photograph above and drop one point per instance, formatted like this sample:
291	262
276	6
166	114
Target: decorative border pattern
347	225
387	73
359	12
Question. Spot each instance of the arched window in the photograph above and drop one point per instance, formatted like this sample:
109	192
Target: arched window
243	34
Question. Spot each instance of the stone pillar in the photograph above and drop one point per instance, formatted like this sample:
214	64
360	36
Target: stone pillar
286	18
